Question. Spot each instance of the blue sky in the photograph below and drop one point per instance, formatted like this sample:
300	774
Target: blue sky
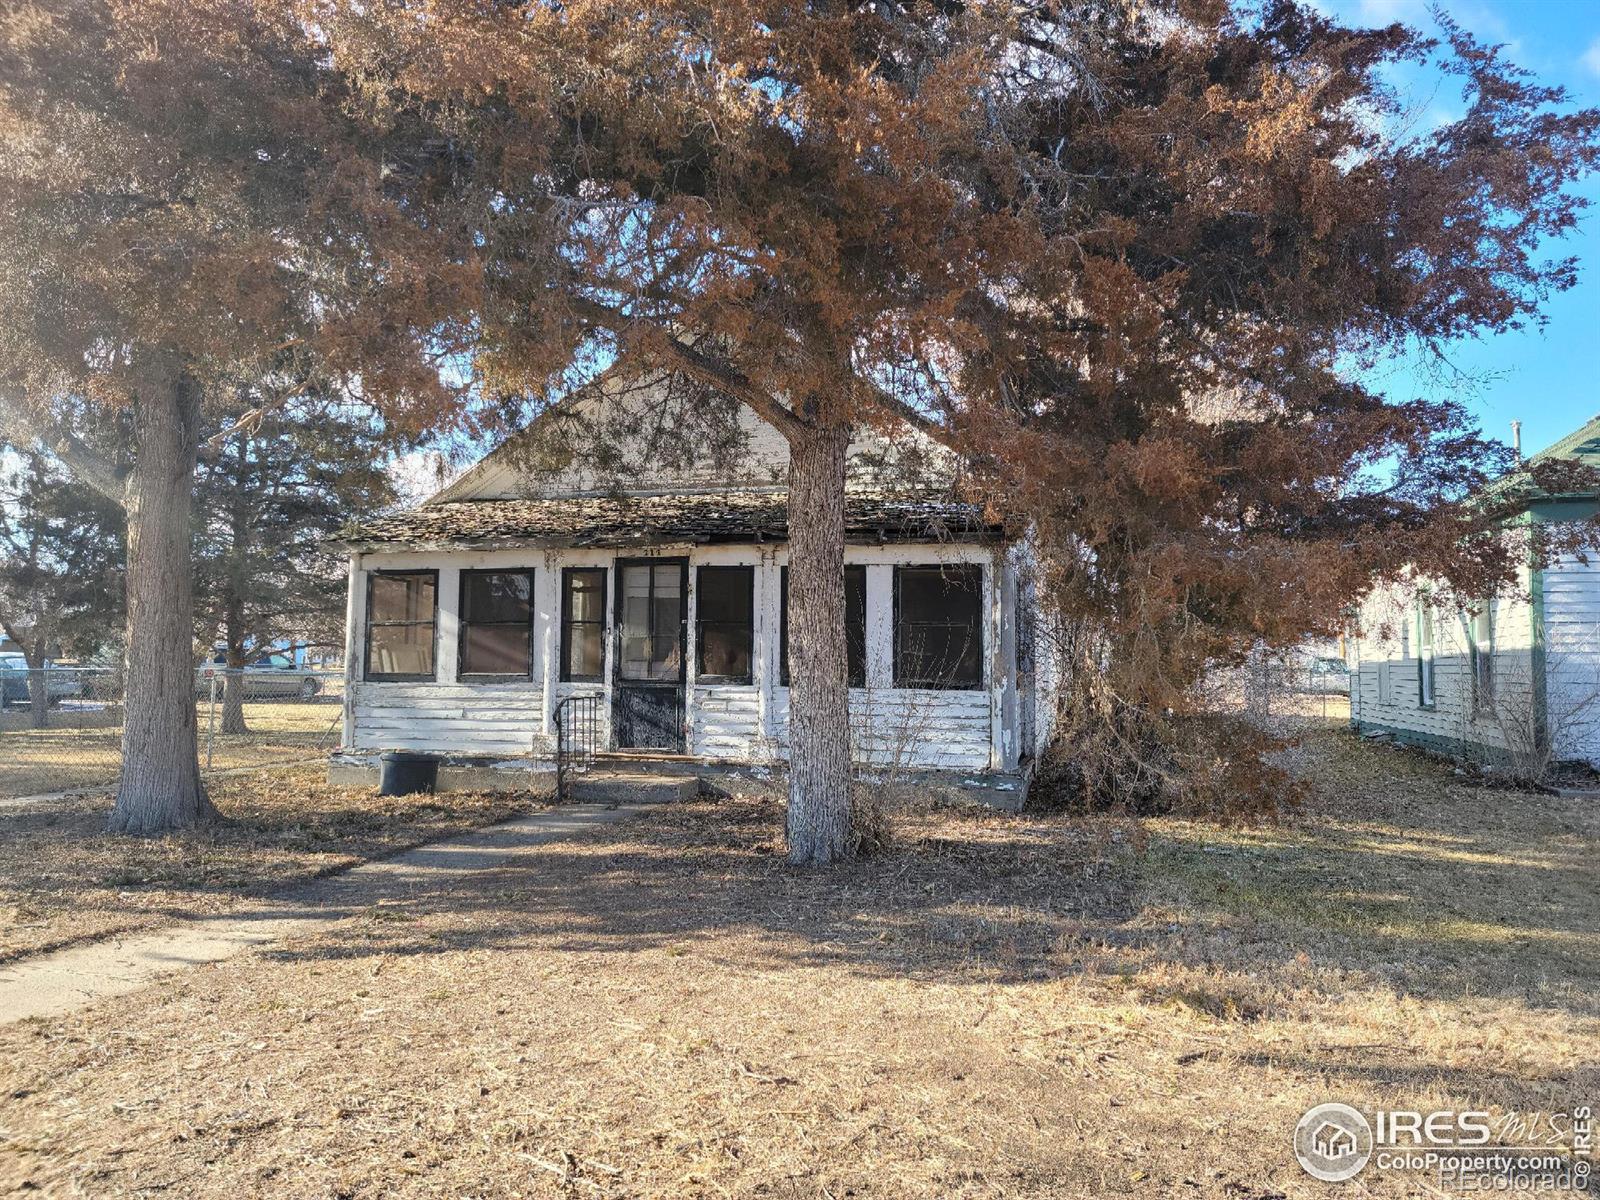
1549	378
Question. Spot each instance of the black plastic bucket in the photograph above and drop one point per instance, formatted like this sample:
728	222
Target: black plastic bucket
405	773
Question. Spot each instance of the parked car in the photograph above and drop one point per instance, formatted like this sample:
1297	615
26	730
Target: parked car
59	684
270	675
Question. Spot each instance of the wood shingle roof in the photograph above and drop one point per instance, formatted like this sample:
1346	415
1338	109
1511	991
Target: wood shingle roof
661	519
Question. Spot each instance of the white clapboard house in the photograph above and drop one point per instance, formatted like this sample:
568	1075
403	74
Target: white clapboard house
645	602
1510	676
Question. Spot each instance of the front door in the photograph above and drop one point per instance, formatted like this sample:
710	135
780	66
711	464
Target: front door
647	711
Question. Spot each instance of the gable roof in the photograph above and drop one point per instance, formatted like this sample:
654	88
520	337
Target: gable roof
621	434
1581	445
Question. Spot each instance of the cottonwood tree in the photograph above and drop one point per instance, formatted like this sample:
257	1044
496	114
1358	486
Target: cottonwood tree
268	497
188	196
61	553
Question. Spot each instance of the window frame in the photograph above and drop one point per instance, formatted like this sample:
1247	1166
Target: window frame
900	680
700	674
462	625
851	678
1427	697
368	675
1482	658
566	675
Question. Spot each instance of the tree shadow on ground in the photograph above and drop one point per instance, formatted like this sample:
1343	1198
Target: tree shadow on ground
970	896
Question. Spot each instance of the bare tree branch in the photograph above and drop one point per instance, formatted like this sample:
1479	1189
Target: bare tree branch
91	469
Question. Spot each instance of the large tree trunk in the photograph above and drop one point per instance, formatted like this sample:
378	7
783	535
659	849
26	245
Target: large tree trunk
819	697
38	683
160	788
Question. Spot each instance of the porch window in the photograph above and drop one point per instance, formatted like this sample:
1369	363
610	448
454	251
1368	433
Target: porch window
855	627
401	610
1425	674
725	623
938	627
583	624
497	623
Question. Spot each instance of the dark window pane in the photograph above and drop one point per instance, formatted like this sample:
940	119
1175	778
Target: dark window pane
495	650
938	629
585	652
725	651
725	608
726	594
855	624
402	597
941	595
497	596
940	655
401	650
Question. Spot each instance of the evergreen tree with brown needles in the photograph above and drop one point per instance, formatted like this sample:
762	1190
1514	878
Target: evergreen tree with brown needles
1125	259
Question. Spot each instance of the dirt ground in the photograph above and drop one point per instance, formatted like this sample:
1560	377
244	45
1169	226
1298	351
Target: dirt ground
998	1006
63	880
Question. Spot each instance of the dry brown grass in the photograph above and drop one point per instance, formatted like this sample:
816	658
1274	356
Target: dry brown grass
996	1007
64	880
82	748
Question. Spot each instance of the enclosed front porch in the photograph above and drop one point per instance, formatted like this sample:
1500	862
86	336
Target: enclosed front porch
477	654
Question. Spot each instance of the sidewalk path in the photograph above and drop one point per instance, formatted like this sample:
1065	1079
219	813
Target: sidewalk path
76	977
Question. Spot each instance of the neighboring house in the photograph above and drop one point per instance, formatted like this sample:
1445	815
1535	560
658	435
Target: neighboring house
661	591
1515	676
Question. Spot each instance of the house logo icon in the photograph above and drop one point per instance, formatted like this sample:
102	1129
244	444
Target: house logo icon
1332	1142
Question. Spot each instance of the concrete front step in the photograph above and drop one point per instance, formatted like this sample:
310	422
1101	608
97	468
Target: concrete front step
632	787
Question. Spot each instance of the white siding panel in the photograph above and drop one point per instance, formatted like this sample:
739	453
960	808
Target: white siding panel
448	718
725	722
1572	659
911	728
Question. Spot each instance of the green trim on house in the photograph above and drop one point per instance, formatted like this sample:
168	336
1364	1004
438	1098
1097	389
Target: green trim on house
1448	747
1556	510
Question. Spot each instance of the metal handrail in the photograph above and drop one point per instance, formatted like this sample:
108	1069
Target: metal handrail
577	721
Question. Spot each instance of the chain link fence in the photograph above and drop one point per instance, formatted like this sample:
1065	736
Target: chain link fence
1283	690
61	727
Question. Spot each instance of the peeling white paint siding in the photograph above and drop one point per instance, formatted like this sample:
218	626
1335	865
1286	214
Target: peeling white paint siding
468	719
354	634
1572	659
971	730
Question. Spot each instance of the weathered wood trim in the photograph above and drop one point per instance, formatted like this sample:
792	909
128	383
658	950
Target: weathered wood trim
354	640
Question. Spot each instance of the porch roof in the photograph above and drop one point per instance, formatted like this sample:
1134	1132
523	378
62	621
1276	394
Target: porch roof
661	519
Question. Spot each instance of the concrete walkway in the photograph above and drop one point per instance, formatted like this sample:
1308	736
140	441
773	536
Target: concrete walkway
74	978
